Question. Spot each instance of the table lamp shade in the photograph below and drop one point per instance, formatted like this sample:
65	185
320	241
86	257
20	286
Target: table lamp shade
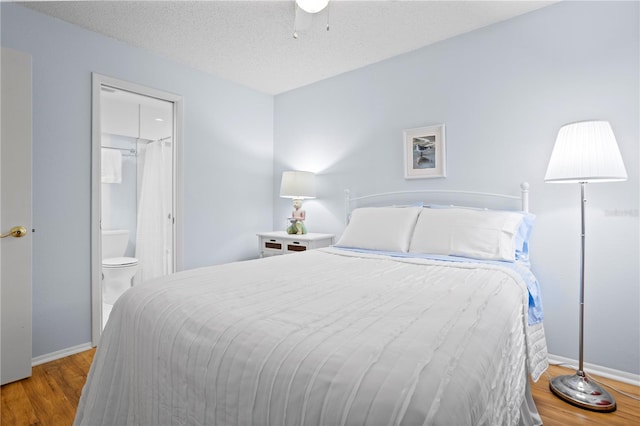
298	185
585	151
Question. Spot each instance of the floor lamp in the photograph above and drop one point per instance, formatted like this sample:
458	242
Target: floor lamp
584	152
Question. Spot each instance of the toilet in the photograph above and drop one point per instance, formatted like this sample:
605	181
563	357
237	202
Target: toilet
117	271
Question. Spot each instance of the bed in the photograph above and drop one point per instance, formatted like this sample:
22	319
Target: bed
388	327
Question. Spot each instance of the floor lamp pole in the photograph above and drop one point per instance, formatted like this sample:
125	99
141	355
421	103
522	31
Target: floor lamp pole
576	388
583	201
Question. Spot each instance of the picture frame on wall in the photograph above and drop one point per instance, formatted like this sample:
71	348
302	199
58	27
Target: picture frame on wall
424	152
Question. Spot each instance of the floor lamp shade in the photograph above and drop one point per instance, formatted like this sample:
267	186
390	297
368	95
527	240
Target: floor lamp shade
584	152
298	185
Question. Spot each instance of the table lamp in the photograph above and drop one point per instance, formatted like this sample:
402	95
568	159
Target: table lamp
297	185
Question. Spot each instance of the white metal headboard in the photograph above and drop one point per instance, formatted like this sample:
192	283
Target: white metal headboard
523	197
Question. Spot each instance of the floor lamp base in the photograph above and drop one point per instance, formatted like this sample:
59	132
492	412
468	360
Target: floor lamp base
578	390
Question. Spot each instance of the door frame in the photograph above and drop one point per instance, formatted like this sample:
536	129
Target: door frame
98	80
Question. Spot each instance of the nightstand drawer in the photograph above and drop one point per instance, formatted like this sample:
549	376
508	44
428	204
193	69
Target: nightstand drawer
296	246
272	247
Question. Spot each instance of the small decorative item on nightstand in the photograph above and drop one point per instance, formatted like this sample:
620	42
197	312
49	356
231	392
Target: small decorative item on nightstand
281	242
298	186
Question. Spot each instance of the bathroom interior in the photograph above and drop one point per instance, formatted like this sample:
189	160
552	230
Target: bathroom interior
137	169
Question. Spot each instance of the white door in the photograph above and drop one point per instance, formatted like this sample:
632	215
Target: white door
15	212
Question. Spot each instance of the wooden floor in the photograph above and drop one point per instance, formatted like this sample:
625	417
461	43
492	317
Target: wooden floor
51	395
555	412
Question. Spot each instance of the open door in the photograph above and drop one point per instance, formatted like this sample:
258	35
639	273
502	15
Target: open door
15	216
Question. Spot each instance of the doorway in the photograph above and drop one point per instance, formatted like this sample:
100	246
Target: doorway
136	226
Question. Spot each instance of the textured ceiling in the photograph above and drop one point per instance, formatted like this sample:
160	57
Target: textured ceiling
251	42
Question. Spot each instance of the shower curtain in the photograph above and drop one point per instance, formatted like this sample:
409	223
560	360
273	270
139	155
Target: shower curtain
154	236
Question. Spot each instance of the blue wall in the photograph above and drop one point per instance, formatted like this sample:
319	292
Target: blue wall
503	92
228	137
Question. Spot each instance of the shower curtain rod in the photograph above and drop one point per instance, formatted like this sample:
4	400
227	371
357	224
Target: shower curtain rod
130	150
147	141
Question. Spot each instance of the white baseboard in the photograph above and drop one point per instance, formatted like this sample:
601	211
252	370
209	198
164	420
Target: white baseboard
597	370
60	354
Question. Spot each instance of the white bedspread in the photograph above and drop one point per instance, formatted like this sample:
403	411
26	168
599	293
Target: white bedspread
324	337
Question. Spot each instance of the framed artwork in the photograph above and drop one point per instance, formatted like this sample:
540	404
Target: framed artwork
424	152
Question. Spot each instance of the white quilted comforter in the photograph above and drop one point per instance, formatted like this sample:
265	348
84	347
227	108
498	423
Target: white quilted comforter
325	337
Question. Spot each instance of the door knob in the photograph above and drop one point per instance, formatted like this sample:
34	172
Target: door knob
16	231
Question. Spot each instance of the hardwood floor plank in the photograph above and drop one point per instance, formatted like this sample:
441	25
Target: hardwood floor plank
51	395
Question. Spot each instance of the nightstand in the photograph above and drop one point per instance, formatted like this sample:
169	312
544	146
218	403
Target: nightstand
279	242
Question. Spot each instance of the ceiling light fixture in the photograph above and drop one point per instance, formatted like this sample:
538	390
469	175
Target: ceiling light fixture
311	7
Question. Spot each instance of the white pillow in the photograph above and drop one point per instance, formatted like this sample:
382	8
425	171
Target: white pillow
380	228
478	234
